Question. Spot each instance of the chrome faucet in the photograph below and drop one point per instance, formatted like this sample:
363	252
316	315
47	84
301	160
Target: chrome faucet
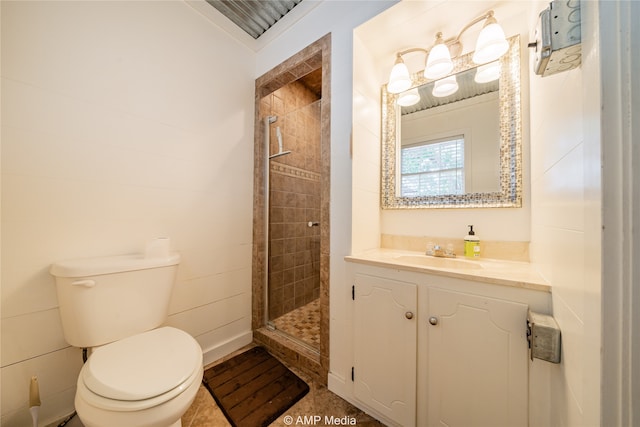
437	250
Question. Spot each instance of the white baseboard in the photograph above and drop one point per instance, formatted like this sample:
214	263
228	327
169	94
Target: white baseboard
338	385
344	388
218	351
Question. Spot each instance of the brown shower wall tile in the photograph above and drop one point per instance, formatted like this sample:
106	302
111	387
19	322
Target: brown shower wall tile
294	198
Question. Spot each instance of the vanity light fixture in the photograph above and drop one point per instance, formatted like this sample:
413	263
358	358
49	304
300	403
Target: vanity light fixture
409	97
490	46
445	87
488	72
399	80
439	62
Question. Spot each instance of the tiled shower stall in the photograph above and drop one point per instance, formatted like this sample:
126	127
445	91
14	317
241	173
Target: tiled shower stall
294	198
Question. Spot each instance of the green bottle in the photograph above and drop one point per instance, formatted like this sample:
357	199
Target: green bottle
471	244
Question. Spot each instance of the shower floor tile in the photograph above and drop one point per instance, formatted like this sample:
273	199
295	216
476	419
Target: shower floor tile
302	323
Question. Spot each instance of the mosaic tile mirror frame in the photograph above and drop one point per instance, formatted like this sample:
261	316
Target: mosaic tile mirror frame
510	144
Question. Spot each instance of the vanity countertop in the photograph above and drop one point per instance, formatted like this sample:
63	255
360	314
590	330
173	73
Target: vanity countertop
494	271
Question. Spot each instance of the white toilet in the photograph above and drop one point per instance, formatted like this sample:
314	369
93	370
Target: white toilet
138	374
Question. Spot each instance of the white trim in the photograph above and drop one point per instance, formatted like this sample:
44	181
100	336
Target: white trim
344	388
620	63
225	348
634	135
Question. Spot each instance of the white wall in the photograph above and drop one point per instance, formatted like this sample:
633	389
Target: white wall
339	18
120	122
566	223
366	137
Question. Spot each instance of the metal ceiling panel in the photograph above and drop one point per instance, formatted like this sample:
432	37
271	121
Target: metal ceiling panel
254	16
468	88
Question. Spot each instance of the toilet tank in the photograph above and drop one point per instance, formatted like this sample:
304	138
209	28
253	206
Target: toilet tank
106	299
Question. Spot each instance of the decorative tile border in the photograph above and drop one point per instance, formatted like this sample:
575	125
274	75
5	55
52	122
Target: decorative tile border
282	169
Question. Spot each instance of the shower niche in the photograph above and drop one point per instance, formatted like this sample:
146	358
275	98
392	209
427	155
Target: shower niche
291	210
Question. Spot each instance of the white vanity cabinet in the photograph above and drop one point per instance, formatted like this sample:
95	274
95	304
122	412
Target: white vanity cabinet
431	349
477	361
384	350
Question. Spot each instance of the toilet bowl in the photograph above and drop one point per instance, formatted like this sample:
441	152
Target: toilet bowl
139	373
145	380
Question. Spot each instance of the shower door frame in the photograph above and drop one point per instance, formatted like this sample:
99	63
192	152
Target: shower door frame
317	55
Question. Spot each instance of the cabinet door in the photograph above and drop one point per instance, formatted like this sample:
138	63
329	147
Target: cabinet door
477	361
385	347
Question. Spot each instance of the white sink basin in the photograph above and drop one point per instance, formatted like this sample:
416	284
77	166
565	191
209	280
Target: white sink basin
448	263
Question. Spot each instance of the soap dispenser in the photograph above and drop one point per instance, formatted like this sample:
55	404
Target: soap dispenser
471	244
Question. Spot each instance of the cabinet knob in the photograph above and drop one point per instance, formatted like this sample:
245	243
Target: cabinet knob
408	315
433	320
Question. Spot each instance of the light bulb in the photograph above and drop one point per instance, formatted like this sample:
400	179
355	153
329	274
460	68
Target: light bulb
445	87
439	62
491	44
399	79
488	72
408	98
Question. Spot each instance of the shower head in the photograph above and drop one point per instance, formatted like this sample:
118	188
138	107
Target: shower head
282	153
271	119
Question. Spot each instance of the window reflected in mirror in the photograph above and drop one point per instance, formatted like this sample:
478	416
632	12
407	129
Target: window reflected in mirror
433	168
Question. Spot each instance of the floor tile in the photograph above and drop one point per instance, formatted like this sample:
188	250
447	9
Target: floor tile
302	323
319	403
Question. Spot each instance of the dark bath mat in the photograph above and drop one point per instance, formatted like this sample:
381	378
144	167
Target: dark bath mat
253	389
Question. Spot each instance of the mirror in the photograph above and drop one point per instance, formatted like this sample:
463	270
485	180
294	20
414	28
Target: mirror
461	150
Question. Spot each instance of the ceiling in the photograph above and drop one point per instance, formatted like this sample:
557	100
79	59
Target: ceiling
254	16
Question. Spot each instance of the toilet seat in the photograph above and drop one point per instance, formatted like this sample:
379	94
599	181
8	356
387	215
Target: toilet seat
141	371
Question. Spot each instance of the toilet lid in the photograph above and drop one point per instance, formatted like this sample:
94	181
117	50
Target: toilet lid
142	366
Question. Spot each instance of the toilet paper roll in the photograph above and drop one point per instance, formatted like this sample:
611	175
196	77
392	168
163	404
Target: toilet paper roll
158	248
